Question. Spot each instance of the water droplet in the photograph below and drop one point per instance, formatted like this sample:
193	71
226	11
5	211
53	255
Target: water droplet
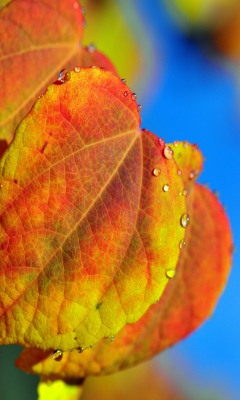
77	69
191	175
80	349
166	187
161	142
156	171
179	172
125	93
185	143
170	273
64	76
123	81
91	48
110	338
182	244
185	220
168	152
139	107
176	142
75	5
184	192
57	355
134	96
83	10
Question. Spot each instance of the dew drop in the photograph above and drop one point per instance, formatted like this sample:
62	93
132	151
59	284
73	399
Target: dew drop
170	273
168	152
179	172
176	143
166	187
110	338
156	171
184	192
134	96
123	81
83	10
185	143
80	349
139	107
161	142
64	76
125	93
91	48
185	220
75	5
191	175
77	69
182	244
57	355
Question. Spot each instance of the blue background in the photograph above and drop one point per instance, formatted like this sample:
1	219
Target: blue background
197	99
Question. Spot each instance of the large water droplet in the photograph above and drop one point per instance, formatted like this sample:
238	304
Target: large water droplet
168	152
166	187
64	76
77	69
156	171
182	244
91	48
185	220
134	96
170	273
57	355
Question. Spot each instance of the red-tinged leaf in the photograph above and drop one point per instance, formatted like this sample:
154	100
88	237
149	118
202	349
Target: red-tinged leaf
38	39
188	300
88	233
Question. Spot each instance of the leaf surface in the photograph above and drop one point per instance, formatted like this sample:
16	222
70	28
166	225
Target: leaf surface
187	301
38	39
85	224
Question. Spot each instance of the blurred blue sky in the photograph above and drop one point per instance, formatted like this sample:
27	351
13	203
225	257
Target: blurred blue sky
196	98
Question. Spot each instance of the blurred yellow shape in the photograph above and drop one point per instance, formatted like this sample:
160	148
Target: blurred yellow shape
202	14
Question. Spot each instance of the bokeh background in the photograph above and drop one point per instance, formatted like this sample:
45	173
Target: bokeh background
182	58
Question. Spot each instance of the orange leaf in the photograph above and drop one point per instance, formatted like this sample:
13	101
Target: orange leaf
188	300
38	39
88	230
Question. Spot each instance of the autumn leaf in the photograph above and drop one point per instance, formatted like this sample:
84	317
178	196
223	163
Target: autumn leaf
189	299
45	38
38	39
88	203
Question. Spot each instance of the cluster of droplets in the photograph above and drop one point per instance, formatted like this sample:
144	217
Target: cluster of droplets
133	96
